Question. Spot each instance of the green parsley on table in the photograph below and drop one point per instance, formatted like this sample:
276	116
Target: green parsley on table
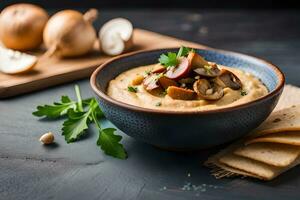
132	89
79	115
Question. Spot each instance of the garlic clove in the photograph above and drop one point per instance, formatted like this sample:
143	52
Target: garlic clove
14	62
116	36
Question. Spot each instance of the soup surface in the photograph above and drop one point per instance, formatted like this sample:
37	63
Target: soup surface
122	90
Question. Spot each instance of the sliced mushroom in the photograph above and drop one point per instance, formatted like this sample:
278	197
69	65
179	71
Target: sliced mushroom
158	69
187	80
197	60
151	82
207	90
202	67
181	93
229	79
180	71
166	82
211	70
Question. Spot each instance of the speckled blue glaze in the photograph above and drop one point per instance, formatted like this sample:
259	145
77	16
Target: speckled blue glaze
188	130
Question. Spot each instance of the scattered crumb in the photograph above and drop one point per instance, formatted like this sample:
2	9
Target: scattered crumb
276	120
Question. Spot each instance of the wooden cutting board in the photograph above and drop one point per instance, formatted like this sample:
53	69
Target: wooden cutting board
52	71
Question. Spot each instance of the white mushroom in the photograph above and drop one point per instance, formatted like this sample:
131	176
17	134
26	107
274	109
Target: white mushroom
116	36
14	62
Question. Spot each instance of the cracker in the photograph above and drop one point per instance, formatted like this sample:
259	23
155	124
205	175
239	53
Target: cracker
291	138
287	119
264	171
290	96
279	155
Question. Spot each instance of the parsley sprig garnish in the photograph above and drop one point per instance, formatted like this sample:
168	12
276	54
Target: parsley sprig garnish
171	59
79	115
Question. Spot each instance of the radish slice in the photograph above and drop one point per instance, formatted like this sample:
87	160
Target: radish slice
180	71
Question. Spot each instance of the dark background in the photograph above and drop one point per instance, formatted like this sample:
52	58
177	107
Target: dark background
230	4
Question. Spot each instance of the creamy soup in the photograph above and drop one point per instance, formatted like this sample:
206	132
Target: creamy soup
118	88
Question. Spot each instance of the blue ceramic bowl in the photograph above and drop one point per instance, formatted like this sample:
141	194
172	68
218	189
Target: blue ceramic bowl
193	129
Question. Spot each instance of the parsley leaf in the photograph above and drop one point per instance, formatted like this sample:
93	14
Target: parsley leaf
168	60
75	125
183	51
78	120
132	89
109	143
57	109
243	93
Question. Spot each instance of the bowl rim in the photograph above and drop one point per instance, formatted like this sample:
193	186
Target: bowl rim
114	102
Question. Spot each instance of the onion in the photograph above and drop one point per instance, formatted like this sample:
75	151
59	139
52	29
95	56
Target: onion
21	26
68	33
116	36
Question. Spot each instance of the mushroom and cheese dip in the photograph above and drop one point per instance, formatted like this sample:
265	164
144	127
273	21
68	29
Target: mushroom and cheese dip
185	82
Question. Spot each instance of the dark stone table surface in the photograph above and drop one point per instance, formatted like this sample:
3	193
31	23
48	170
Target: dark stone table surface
29	170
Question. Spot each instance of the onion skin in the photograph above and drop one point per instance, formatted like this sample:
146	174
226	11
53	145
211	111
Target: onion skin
21	26
69	34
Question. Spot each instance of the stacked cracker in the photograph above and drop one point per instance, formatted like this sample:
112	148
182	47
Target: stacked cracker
273	148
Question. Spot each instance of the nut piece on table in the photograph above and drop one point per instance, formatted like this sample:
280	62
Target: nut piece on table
47	138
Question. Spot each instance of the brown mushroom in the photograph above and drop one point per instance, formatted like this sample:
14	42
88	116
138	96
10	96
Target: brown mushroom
166	82
196	60
181	93
202	67
229	79
210	70
180	71
208	90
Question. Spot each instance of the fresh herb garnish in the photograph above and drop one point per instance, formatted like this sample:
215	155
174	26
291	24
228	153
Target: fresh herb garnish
243	93
207	69
168	60
132	89
171	59
80	114
148	72
183	51
158	104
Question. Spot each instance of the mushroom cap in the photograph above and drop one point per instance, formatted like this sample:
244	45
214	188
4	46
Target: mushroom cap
208	90
116	36
210	70
229	79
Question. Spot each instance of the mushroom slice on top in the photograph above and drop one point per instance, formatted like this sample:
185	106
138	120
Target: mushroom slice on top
229	79
202	67
211	70
166	82
207	90
181	93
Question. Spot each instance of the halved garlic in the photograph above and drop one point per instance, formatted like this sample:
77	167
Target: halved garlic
116	36
14	62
